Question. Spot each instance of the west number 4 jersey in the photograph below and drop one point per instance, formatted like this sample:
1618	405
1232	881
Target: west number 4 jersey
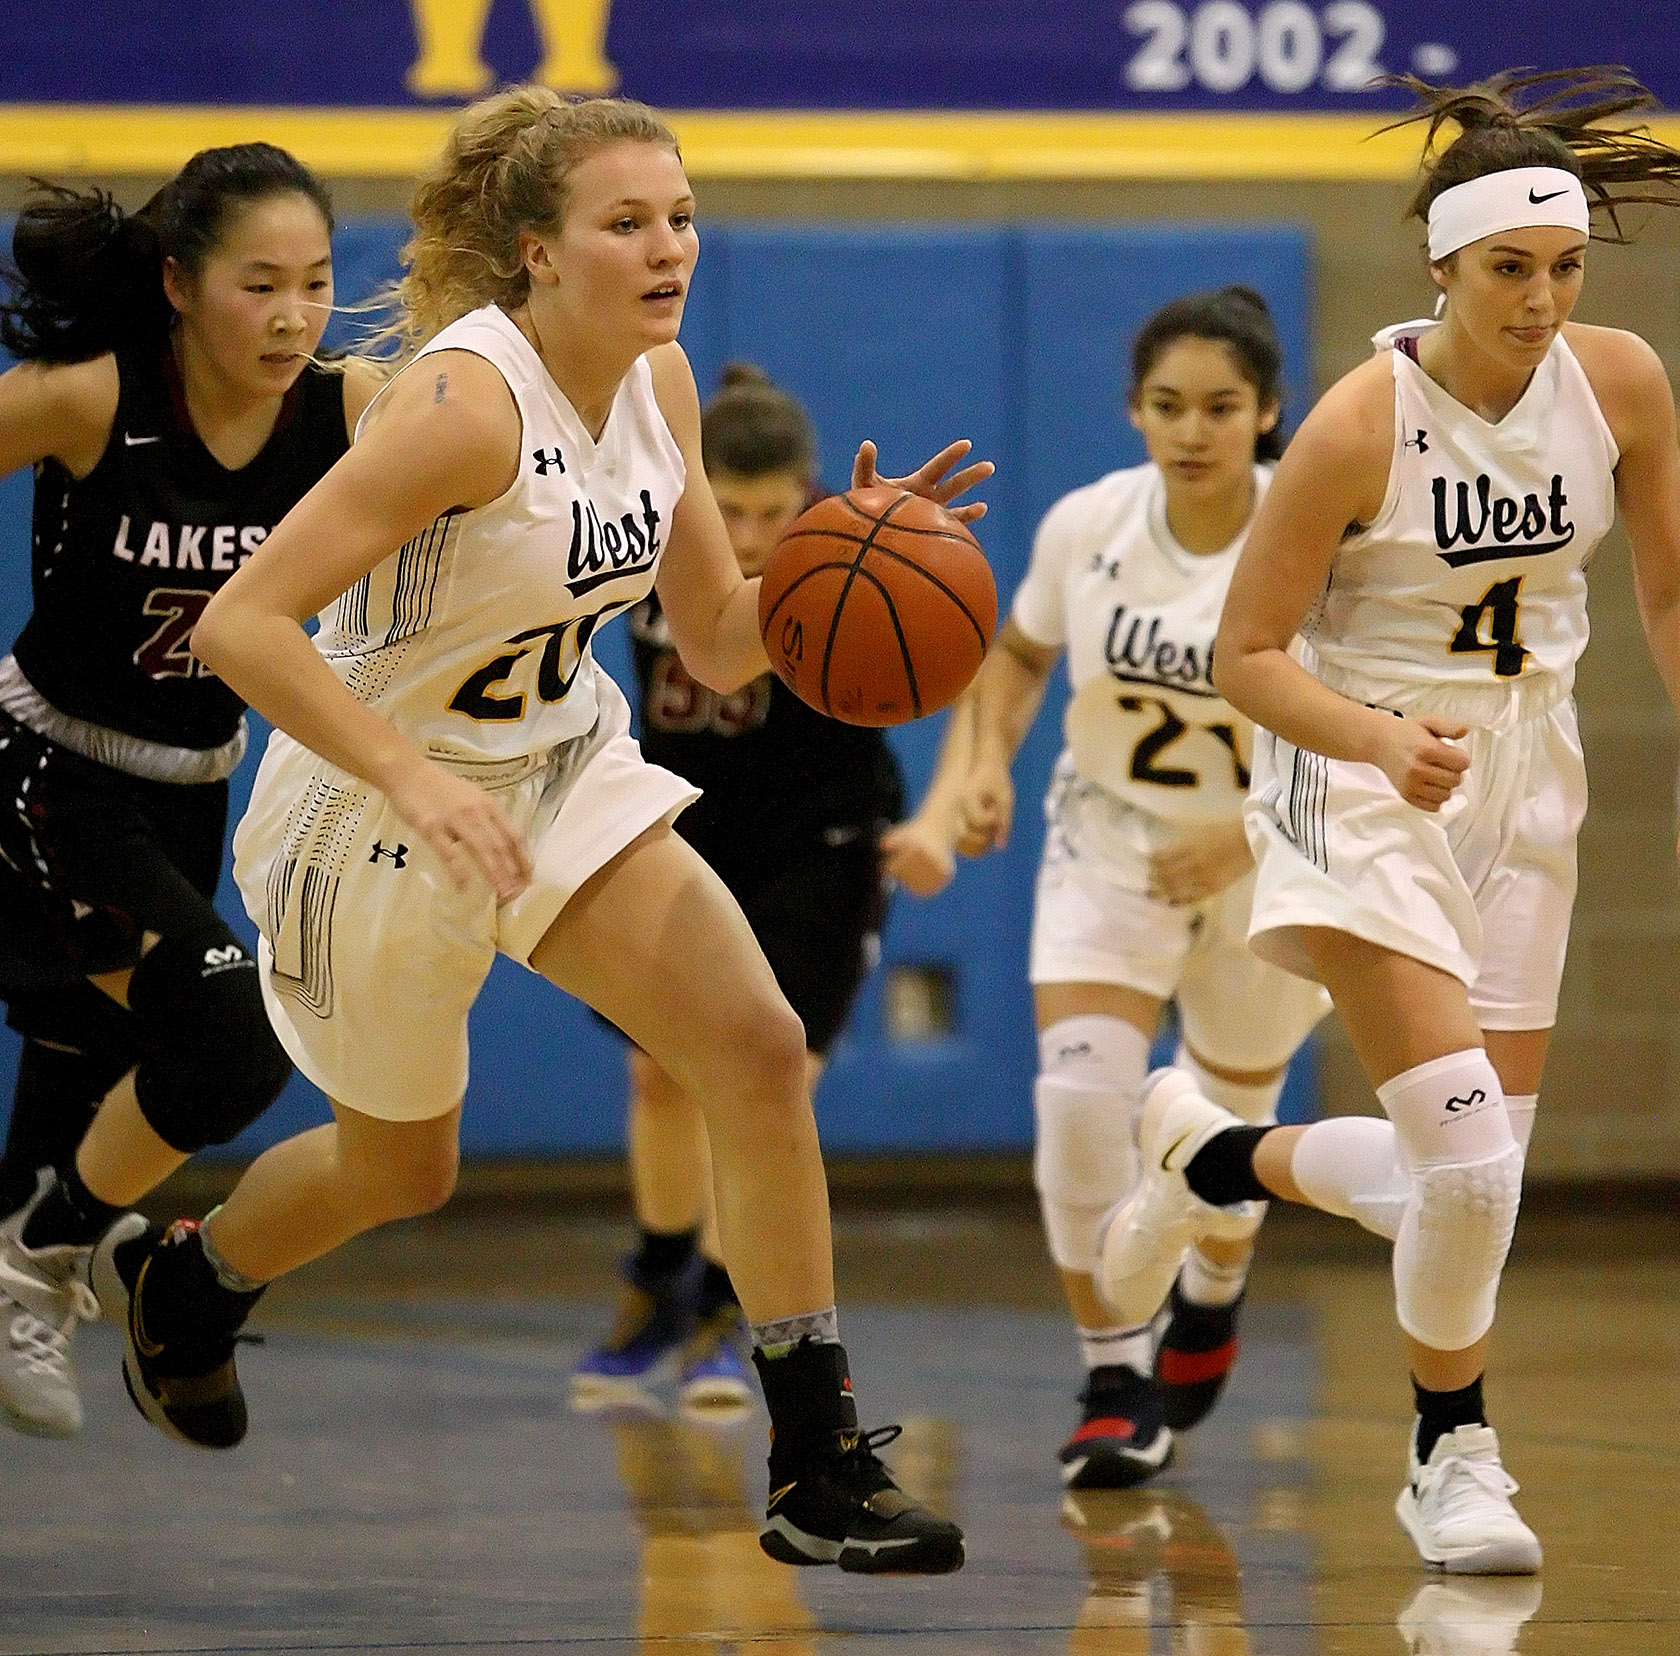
1137	614
1468	589
474	638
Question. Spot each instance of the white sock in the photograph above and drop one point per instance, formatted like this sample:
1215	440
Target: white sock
1521	1109
1256	1104
1132	1348
1203	1281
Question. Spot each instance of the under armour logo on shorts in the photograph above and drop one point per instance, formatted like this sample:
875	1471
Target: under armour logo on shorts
399	856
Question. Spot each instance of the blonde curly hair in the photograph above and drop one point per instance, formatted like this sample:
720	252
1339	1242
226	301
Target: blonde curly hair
505	168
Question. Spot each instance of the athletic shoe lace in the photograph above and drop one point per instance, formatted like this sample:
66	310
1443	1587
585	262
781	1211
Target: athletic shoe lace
1462	1487
856	1462
45	1350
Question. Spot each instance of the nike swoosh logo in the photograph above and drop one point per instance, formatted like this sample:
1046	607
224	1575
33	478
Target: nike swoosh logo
135	442
1537	200
1172	1147
141	1344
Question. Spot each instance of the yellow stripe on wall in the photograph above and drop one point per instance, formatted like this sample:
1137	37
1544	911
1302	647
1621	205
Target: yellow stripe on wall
104	139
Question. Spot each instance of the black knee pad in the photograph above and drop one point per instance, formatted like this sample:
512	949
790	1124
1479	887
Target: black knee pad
211	1064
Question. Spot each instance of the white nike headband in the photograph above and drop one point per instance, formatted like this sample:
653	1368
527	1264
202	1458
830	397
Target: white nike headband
1515	199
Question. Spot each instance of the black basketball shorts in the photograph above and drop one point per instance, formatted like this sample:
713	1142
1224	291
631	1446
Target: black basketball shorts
92	859
816	904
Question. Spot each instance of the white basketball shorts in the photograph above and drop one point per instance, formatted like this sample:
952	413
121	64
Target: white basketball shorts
1482	889
1095	922
370	957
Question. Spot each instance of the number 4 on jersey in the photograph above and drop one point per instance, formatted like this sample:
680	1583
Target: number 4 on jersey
1499	605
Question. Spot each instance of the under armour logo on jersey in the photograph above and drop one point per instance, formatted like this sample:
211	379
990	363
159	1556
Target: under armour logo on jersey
544	460
399	856
1420	443
226	958
1457	1106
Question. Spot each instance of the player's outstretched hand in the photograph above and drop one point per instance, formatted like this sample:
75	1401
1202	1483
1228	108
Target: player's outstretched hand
466	827
984	810
1417	756
930	480
918	856
1200	864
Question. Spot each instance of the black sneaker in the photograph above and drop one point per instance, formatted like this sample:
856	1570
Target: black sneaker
837	1504
1123	1438
1195	1358
185	1385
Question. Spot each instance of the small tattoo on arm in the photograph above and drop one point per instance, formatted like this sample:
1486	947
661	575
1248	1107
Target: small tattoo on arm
440	388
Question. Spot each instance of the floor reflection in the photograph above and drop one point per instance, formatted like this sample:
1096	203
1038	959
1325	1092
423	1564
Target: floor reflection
1469	1616
705	1584
1154	1555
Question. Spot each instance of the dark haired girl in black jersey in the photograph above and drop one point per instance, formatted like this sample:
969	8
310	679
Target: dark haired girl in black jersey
169	404
791	817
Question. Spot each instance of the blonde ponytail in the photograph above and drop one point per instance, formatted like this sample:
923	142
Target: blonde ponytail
505	169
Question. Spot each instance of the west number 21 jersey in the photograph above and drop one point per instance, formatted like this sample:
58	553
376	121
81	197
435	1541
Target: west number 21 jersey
1137	614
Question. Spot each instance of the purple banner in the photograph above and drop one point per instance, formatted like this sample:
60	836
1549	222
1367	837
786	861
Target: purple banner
1136	55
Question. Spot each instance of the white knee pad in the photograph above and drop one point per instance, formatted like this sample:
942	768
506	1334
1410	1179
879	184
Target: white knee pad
1257	1105
1455	1133
1454	1236
1085	1158
1351	1166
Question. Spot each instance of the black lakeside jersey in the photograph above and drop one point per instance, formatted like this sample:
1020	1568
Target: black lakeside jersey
125	559
771	768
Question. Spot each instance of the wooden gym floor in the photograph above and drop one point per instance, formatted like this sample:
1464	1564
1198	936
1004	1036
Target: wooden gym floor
414	1481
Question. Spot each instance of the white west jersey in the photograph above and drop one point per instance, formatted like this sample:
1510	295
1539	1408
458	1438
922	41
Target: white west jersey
474	638
1467	593
1137	615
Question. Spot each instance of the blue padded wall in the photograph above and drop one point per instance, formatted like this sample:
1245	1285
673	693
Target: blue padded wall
1011	336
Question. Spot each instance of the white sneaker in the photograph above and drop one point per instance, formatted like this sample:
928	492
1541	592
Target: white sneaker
44	1293
37	1383
1457	1508
1143	1239
1468	1617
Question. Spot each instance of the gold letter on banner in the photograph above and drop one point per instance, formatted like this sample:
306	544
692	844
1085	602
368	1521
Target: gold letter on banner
574	37
451	35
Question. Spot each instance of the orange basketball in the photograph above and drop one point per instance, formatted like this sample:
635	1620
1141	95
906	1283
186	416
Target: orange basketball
877	607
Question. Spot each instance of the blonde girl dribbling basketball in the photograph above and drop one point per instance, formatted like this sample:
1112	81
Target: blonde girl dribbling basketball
451	777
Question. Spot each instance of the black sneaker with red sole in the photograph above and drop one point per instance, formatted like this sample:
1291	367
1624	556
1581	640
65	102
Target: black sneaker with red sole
1123	1438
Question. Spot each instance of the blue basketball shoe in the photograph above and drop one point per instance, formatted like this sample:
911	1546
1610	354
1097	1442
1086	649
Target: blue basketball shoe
645	1348
713	1383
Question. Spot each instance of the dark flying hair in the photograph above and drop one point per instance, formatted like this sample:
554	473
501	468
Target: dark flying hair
1520	118
87	277
1236	317
752	427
